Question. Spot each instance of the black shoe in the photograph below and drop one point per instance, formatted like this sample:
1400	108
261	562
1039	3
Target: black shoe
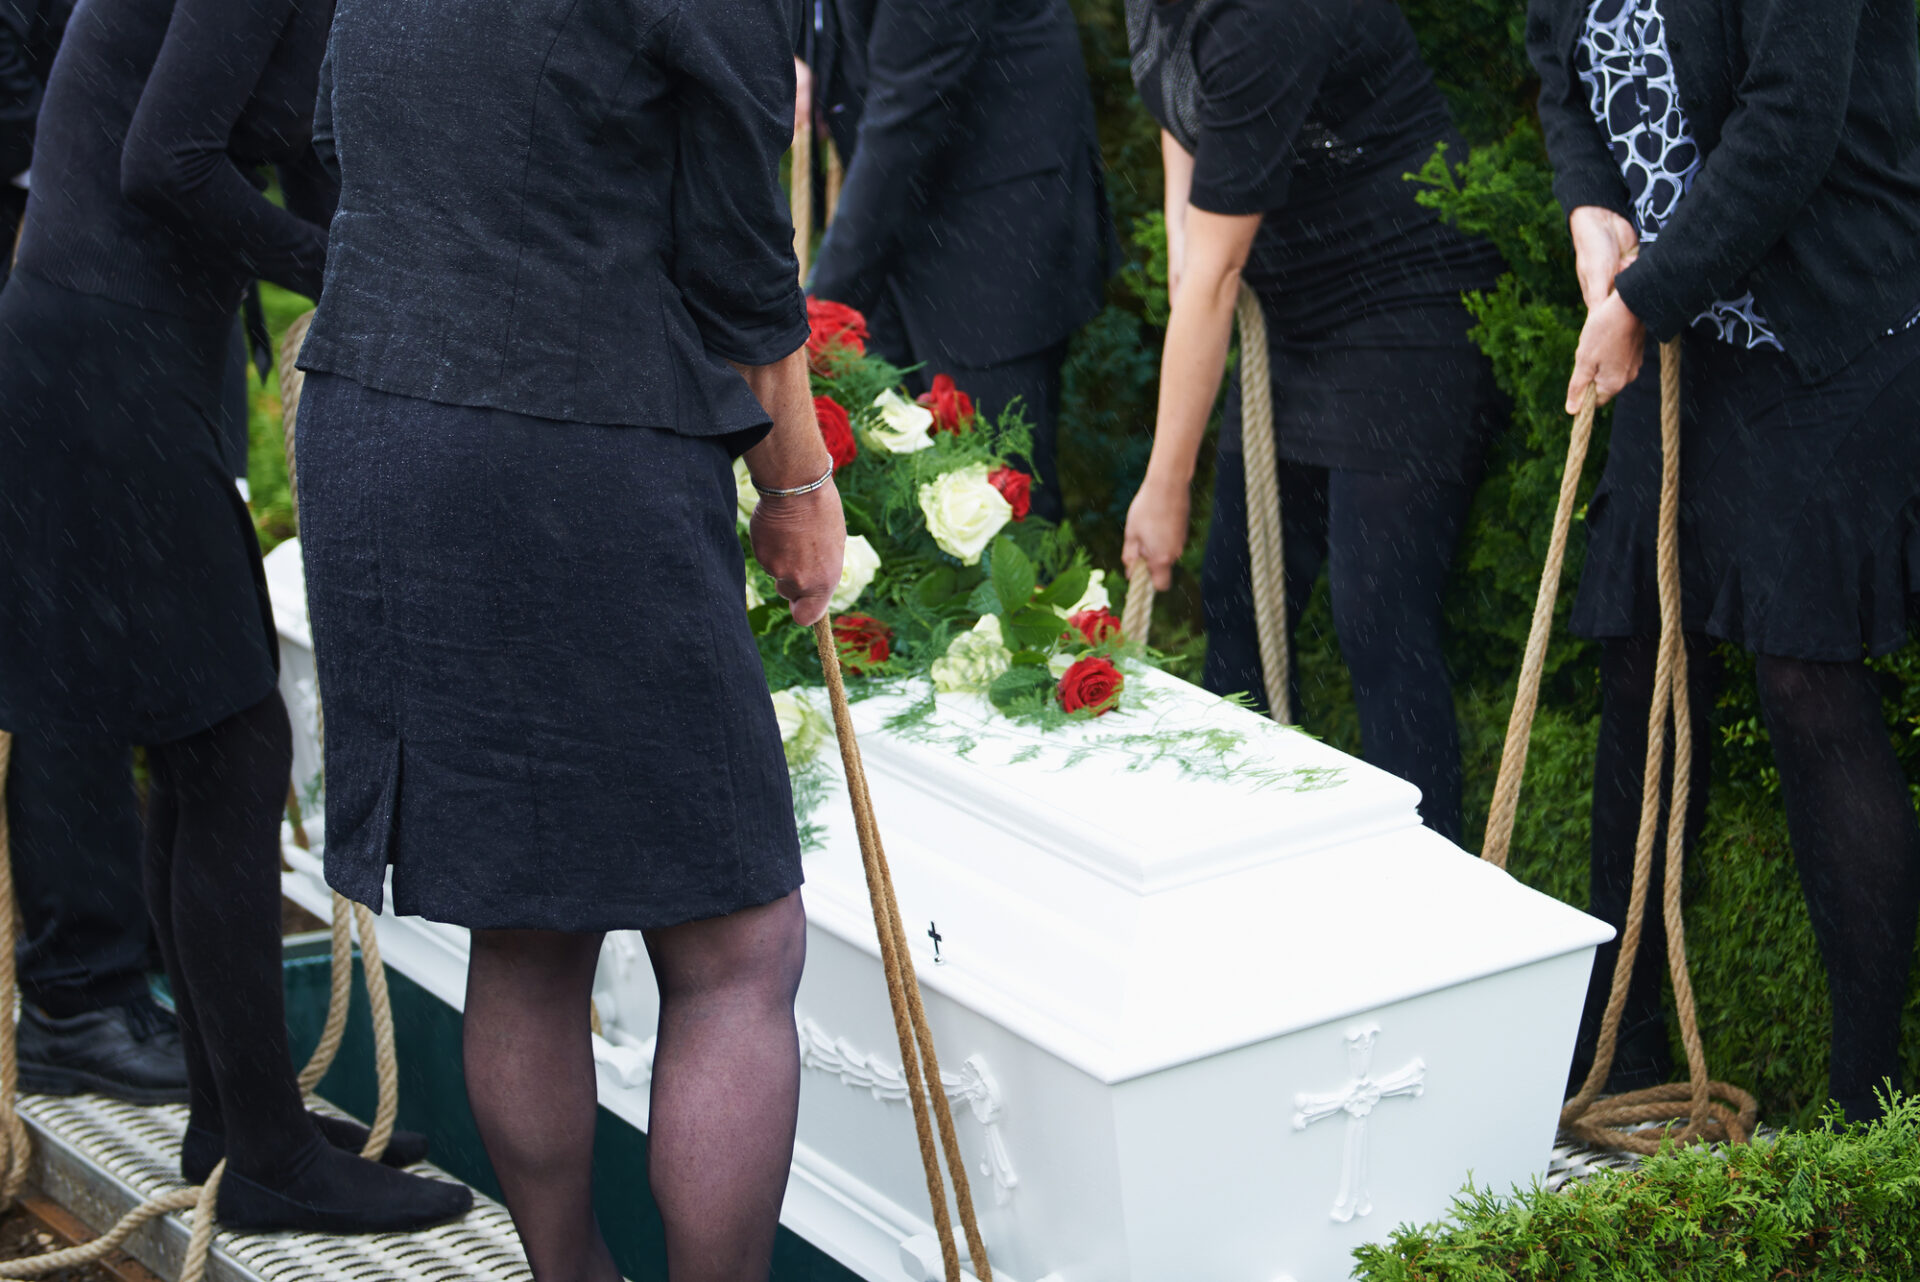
130	1052
200	1149
330	1191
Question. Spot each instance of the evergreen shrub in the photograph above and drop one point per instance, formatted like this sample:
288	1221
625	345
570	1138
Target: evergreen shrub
1815	1205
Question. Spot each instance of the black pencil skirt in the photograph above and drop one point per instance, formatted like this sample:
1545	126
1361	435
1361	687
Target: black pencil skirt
133	608
544	708
1799	503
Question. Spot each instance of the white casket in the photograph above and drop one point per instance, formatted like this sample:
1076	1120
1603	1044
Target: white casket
1211	1003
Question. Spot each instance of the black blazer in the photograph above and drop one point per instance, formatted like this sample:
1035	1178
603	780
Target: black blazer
1808	114
570	211
974	194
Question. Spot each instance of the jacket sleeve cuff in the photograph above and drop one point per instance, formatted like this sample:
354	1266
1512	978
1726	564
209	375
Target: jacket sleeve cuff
766	344
1650	294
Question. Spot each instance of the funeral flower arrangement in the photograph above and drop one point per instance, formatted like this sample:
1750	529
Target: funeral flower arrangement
948	576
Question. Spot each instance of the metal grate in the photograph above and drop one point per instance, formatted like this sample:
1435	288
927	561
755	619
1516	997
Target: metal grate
98	1157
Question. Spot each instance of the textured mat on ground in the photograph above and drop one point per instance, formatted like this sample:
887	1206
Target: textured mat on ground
97	1156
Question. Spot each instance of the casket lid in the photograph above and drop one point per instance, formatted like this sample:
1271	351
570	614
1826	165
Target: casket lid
1165	883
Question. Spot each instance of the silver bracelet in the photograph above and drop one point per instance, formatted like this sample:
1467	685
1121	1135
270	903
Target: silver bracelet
797	490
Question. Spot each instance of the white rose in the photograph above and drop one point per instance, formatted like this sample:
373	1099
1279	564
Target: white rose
802	728
964	511
857	568
745	497
973	660
903	427
1094	598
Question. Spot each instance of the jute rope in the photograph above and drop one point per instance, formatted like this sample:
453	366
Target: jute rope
1706	1110
801	195
917	1058
205	1198
1266	546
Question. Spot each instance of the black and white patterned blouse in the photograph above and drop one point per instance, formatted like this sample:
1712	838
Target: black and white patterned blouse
1622	60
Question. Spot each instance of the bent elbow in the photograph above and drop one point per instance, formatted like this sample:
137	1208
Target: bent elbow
155	180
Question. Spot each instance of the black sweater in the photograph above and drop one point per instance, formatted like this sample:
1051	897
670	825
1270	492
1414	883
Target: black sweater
157	117
29	35
1808	115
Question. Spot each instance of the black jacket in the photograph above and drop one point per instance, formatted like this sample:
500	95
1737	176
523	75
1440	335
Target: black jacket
974	194
1808	114
29	35
570	211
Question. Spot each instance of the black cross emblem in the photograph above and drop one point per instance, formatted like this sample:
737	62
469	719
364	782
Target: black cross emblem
933	933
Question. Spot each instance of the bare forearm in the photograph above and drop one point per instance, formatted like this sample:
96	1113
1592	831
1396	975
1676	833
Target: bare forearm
1194	358
793	453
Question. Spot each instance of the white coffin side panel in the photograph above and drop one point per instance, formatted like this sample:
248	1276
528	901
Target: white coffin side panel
1213	1018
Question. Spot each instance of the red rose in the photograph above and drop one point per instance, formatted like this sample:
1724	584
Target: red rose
1093	683
1016	488
836	430
952	408
1095	625
863	641
835	328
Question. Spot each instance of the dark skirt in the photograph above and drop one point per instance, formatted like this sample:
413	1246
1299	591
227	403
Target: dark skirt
543	703
1800	503
132	603
1402	392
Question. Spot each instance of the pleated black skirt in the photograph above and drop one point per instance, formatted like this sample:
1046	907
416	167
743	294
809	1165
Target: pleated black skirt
132	603
543	704
1800	503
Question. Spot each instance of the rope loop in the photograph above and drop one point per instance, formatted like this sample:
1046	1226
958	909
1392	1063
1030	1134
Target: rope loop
1704	1110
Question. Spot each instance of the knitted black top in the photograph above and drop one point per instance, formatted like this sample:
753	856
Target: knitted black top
158	117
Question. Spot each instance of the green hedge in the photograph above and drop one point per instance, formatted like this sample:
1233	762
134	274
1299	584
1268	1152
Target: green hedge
1816	1205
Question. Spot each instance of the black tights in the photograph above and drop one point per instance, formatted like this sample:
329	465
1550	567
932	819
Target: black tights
726	1089
1858	849
1855	840
213	890
1388	544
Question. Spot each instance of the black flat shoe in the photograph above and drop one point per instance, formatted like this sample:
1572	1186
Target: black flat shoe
129	1052
330	1191
201	1150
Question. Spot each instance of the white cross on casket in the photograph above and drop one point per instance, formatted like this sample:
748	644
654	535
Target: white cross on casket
1357	1102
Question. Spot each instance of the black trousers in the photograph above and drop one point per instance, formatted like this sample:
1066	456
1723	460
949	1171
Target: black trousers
1032	380
76	836
1388	544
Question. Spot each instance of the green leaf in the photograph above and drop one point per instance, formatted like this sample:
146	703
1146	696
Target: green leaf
1013	575
858	521
939	585
984	599
1019	686
1069	587
1033	627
